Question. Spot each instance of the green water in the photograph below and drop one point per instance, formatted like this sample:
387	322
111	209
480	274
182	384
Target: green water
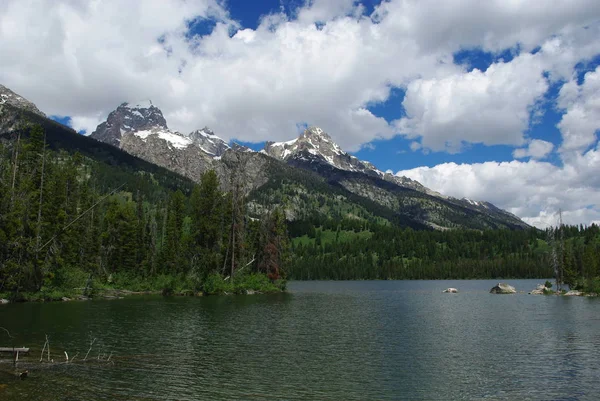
389	340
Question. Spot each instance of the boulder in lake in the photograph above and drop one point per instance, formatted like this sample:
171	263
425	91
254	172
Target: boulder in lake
65	299
451	290
3	301
540	290
573	293
502	288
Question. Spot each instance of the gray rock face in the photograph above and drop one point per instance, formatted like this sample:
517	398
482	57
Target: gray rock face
209	142
240	148
168	149
248	169
180	154
502	288
129	118
9	97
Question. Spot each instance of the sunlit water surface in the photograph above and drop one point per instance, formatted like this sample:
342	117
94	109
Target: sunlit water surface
370	340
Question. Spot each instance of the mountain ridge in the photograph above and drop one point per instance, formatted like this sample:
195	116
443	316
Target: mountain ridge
142	131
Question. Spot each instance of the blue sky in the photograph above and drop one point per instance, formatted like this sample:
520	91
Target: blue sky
495	101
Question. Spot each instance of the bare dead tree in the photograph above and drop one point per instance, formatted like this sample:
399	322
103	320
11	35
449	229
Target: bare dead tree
90	349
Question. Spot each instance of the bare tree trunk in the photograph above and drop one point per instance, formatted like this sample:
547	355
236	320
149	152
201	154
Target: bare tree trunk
233	232
16	163
39	216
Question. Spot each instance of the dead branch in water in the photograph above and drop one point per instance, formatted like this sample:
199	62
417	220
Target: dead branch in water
89	350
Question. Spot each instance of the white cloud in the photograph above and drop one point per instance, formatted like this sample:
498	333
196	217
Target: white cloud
532	190
537	149
491	107
493	25
414	146
326	10
582	118
85	58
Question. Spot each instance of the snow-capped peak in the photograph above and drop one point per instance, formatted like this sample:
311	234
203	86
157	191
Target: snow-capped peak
208	141
314	143
127	118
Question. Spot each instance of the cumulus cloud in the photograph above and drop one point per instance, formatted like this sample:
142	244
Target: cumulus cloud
532	190
537	149
85	58
581	120
491	107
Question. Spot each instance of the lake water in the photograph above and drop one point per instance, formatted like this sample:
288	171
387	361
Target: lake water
369	340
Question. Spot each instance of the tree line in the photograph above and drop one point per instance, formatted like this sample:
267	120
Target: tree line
66	219
327	251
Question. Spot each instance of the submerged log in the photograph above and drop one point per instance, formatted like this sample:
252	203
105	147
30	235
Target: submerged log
11	350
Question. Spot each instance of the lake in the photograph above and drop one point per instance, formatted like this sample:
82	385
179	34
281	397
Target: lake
357	340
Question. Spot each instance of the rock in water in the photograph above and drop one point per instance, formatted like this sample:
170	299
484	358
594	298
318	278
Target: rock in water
573	293
502	288
451	290
3	301
540	290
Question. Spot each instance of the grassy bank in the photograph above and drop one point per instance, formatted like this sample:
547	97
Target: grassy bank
123	284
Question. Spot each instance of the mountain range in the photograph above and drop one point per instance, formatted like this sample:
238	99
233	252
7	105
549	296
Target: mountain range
307	176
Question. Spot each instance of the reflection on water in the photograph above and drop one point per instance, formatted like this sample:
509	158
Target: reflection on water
324	340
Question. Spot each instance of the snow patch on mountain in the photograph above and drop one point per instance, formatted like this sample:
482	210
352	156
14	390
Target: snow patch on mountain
174	139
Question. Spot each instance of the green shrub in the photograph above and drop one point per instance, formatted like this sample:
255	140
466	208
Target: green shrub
214	284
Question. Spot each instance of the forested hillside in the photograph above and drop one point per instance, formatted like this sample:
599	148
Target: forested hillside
68	221
354	249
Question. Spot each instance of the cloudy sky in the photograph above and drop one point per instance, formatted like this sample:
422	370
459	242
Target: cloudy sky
494	100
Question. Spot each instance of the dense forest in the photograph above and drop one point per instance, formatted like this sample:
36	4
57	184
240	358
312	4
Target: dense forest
350	249
68	222
72	223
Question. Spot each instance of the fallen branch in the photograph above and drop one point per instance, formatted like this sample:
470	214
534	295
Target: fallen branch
7	332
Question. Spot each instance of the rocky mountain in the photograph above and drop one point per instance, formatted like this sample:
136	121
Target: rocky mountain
209	142
9	97
315	148
129	118
308	176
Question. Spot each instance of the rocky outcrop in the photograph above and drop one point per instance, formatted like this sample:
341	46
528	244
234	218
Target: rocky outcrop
4	301
573	293
541	289
9	97
129	118
209	142
502	288
168	149
450	290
